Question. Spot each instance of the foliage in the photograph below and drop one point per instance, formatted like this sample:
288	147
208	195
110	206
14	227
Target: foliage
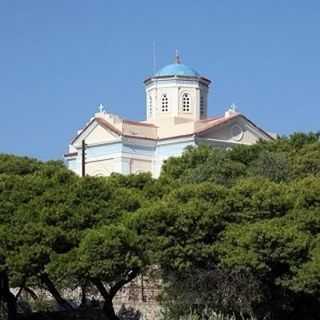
57	229
207	314
235	231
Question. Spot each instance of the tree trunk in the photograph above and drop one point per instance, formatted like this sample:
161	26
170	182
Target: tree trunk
109	295
55	293
108	309
31	293
7	296
12	306
19	293
84	299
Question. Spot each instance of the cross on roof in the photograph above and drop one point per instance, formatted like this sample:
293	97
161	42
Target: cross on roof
233	107
101	108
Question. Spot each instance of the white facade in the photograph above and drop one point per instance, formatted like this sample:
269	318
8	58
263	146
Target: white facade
185	98
176	117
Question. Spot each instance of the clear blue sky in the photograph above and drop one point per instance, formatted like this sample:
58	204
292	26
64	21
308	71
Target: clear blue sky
59	59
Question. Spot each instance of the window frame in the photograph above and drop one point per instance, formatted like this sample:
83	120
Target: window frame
150	106
186	108
202	106
164	103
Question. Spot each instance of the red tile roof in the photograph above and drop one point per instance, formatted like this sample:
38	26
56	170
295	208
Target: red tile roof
138	123
105	124
208	123
217	121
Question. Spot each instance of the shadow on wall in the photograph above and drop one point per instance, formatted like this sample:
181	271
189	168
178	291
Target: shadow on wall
129	314
89	313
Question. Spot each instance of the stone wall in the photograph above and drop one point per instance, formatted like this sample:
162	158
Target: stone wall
142	295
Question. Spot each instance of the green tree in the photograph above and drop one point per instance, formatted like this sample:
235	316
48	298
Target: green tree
111	257
283	256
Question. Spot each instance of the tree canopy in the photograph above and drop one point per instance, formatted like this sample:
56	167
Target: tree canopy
237	231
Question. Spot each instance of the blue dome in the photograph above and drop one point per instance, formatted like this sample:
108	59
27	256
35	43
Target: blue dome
177	69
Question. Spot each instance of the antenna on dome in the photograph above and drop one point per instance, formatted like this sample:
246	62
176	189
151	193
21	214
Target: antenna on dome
178	60
154	61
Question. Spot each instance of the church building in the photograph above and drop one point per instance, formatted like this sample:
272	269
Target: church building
176	117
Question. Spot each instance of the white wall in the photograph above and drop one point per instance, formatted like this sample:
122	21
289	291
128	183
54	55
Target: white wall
237	131
174	88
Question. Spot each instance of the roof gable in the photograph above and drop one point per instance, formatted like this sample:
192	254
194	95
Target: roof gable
234	129
97	131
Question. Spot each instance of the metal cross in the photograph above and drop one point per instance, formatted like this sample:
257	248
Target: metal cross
233	107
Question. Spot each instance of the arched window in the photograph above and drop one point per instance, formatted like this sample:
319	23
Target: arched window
186	103
202	106
150	106
164	103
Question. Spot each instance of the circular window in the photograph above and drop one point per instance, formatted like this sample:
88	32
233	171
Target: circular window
236	133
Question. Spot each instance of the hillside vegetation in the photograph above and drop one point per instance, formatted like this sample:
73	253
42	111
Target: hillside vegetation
235	232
